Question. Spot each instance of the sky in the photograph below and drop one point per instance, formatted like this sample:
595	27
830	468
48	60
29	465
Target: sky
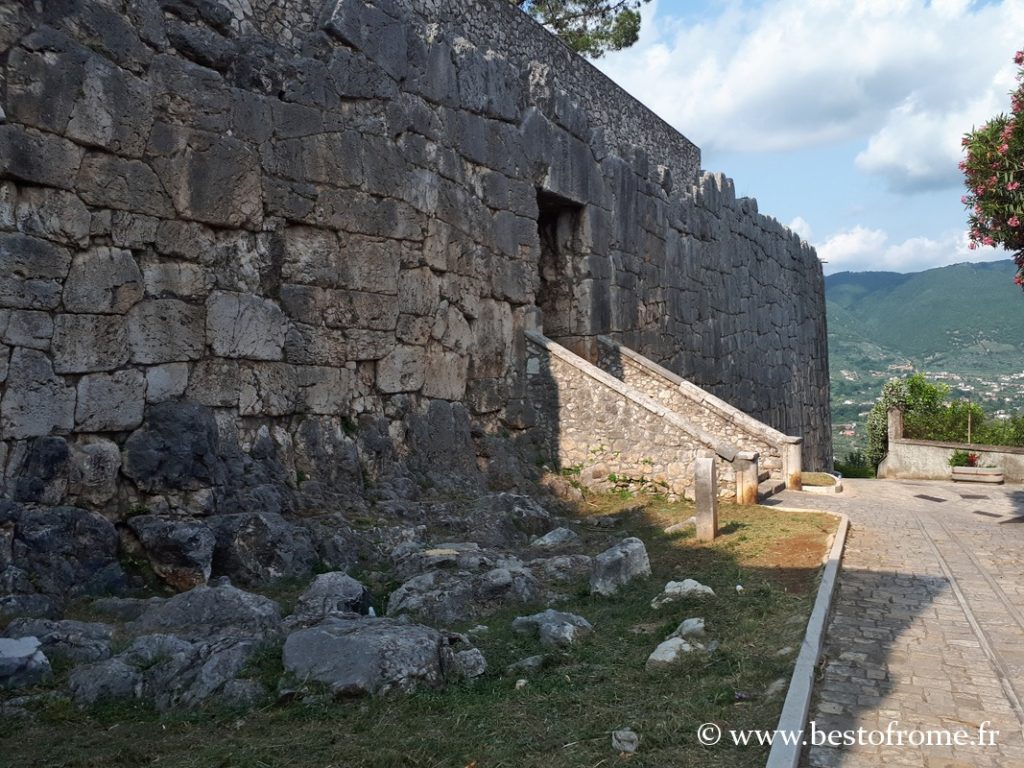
842	117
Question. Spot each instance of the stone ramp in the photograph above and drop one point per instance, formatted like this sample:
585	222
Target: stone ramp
645	424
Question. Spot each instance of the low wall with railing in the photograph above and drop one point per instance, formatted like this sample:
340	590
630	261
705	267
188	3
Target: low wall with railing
910	459
603	428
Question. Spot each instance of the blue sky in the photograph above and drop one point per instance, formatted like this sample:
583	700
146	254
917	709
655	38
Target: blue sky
842	117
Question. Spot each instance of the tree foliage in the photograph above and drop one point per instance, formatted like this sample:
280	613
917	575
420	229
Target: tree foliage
929	414
994	175
589	27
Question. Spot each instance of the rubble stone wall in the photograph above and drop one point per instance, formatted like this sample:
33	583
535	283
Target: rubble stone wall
608	433
276	255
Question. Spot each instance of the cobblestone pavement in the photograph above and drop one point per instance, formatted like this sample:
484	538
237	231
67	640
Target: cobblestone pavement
927	625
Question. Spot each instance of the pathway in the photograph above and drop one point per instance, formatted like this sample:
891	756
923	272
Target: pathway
927	626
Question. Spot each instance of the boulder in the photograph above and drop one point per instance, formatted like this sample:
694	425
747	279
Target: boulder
358	656
179	550
619	565
110	679
670	652
79	641
556	538
205	612
563	568
61	552
677	590
446	597
507	519
689	628
554	628
332	593
22	663
254	548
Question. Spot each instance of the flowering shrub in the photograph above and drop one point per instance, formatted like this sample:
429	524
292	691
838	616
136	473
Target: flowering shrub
994	175
964	459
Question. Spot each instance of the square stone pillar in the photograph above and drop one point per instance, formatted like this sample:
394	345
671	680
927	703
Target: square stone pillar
792	463
706	495
746	467
895	424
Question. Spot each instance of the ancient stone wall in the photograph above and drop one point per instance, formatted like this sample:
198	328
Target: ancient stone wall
278	256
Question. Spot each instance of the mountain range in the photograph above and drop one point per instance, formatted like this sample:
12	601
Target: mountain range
962	324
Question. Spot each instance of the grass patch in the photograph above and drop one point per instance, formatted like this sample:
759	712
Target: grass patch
564	716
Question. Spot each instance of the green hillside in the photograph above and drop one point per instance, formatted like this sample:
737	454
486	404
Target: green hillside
962	324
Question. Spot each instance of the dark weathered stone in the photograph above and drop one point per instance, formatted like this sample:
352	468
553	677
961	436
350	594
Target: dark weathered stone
180	551
63	552
177	448
254	548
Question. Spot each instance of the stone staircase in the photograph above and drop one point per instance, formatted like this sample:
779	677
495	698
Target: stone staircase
628	416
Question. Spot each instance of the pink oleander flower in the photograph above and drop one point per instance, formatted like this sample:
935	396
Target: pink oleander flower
1018	279
1013	186
964	200
1018	57
1013	221
1004	148
987	241
973	246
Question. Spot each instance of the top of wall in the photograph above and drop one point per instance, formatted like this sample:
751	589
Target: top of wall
499	28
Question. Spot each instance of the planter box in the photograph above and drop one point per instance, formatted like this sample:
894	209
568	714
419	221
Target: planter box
977	474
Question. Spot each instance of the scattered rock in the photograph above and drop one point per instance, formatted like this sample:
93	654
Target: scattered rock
685	525
110	679
444	597
677	590
670	652
521	683
77	640
555	628
332	593
357	656
469	664
22	663
563	568
619	565
689	628
207	611
625	741
180	550
34	606
254	548
556	538
529	664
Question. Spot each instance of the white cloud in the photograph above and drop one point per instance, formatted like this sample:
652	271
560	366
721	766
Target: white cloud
861	249
906	77
802	228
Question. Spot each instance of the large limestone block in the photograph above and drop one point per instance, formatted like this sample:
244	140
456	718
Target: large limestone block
340	309
114	110
211	178
166	331
267	389
110	402
103	280
39	158
31	271
619	565
28	328
445	376
244	325
37	402
88	343
402	370
54	215
166	382
108	181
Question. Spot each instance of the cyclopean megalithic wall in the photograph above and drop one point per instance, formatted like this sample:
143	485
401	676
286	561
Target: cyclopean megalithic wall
280	256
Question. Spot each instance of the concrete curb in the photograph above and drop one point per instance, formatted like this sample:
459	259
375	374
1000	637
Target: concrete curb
801	684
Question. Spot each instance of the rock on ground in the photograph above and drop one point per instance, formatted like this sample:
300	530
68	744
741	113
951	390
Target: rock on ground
179	550
689	628
22	663
79	641
357	656
444	597
556	538
331	593
554	628
670	652
677	590
619	565
207	611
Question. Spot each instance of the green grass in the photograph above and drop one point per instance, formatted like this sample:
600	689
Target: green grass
562	718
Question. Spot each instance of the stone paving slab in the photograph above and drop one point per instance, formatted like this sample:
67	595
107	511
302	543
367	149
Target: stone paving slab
927	625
